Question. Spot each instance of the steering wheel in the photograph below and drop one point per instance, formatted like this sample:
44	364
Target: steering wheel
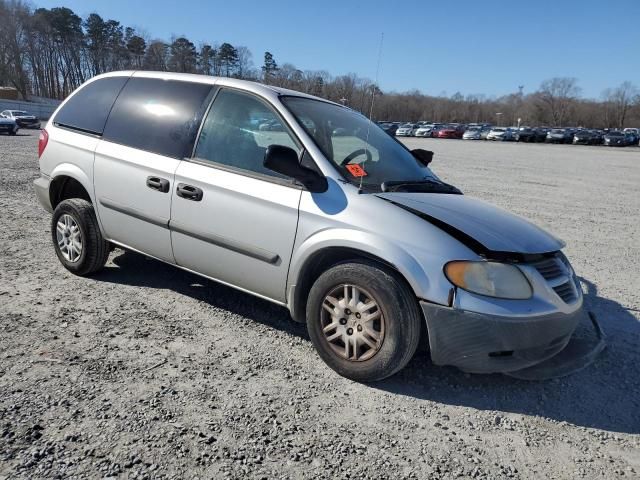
357	153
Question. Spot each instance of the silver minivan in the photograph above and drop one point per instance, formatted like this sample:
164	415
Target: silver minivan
326	215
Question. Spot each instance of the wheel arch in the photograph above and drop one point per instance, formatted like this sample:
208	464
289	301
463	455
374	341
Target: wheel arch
69	181
310	261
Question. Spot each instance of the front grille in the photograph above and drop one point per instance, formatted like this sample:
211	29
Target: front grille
557	272
566	292
550	268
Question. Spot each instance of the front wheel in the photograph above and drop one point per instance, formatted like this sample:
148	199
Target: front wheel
363	320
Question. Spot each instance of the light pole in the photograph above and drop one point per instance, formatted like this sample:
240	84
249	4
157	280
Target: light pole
498	114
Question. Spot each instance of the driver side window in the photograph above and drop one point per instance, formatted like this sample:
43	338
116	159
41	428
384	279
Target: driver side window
237	131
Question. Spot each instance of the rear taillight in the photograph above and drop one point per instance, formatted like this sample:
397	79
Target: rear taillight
43	139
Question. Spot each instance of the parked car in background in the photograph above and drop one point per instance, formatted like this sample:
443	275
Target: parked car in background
436	129
271	126
9	126
22	118
501	134
451	131
476	133
559	135
616	138
540	134
424	130
634	132
524	134
406	130
586	137
390	128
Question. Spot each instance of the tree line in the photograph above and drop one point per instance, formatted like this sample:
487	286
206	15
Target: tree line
50	52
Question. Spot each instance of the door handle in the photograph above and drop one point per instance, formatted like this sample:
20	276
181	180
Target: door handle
159	184
189	192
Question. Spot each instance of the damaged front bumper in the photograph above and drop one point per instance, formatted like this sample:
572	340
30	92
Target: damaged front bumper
537	347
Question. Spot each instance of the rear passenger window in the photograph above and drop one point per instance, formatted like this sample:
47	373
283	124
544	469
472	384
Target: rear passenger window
87	109
159	116
238	130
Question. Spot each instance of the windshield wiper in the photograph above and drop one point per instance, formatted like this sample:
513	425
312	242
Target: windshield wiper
426	185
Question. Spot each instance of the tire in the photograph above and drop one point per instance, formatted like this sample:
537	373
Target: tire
13	133
398	326
94	250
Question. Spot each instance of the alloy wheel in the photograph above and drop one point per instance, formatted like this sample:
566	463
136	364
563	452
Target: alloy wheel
69	238
352	323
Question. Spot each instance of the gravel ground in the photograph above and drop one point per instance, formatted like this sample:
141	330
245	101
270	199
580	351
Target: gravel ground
145	371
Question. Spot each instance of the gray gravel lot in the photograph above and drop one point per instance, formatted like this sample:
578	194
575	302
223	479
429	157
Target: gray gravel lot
145	371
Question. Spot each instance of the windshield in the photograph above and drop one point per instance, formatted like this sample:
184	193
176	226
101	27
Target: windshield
19	112
363	152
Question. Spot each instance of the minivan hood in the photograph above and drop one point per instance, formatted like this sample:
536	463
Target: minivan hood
493	228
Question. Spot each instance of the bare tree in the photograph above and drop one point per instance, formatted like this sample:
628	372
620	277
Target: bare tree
556	96
618	102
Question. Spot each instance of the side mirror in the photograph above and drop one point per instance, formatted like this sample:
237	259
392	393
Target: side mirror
284	160
423	156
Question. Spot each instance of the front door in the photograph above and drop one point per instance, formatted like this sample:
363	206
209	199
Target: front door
231	218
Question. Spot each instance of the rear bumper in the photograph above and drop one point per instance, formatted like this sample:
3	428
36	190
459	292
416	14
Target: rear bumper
484	343
41	186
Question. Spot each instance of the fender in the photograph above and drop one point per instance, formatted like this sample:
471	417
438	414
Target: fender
367	242
75	172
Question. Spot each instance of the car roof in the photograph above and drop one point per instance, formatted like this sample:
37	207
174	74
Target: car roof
268	91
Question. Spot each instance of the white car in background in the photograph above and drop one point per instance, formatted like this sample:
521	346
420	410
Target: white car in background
476	133
501	134
406	130
424	131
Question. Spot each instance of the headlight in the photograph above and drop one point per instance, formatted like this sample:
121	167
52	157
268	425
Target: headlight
492	279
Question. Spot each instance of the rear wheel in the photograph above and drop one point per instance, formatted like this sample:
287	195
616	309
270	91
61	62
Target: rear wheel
76	237
363	320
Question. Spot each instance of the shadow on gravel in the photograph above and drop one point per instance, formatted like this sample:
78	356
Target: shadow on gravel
137	270
605	395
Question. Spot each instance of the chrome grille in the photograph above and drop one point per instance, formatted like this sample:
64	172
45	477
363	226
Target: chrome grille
566	292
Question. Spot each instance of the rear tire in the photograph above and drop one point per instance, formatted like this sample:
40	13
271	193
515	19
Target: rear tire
76	237
345	330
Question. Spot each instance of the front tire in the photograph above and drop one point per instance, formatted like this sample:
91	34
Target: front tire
363	320
76	237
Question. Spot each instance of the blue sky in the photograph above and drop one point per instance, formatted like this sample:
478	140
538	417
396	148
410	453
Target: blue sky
487	47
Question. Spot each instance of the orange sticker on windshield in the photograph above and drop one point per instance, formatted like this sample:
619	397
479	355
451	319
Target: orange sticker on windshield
356	170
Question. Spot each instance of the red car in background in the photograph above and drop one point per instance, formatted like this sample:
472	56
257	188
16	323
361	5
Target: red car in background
451	131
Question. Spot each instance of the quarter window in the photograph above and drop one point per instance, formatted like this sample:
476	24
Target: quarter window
238	130
87	109
159	116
